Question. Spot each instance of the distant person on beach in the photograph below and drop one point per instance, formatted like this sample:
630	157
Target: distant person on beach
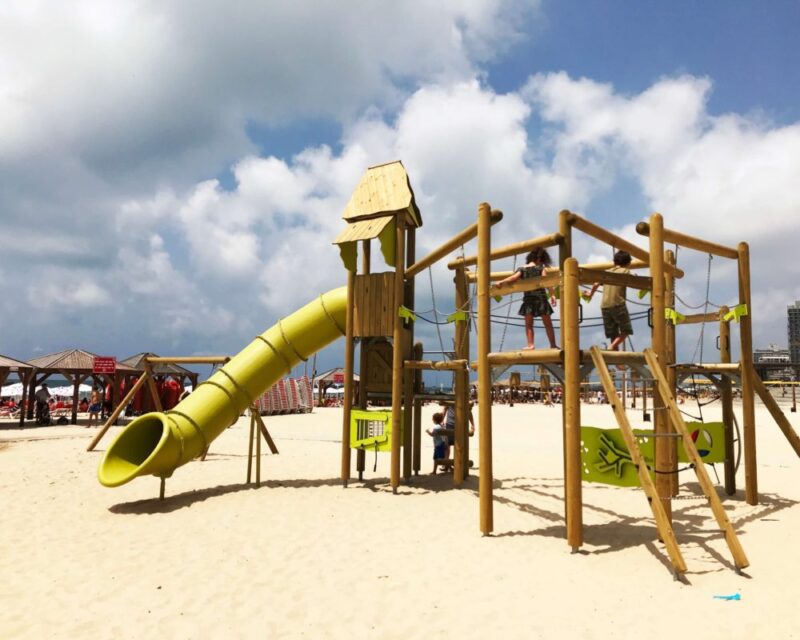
95	405
616	319
42	396
535	303
439	440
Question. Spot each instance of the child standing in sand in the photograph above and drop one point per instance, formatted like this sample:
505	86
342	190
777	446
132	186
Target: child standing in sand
535	303
616	319
439	439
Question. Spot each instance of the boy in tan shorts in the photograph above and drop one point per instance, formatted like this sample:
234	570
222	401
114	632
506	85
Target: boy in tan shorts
616	319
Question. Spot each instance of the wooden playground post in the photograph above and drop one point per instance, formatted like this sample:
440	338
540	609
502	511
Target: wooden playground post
572	405
484	372
151	384
564	252
461	467
348	376
397	350
255	417
670	356
747	373
459	393
417	445
726	398
408	347
361	454
661	421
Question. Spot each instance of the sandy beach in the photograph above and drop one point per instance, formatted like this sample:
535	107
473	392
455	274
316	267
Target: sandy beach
303	557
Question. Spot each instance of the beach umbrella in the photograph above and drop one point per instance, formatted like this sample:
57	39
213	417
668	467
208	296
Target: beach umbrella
12	390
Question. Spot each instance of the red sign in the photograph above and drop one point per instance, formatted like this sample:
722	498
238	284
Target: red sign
104	364
338	377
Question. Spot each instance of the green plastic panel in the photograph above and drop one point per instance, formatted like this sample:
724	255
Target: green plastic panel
372	429
606	459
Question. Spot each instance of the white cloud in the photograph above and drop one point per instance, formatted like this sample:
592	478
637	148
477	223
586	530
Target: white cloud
115	121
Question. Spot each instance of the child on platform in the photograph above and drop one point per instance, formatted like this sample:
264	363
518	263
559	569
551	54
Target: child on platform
616	319
439	440
535	303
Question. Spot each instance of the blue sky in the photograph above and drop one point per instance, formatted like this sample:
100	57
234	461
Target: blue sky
747	48
169	173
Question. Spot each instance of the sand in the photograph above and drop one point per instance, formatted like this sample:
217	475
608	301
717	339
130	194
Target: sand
303	557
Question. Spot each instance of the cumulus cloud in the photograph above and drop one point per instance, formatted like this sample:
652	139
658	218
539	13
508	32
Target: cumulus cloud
120	124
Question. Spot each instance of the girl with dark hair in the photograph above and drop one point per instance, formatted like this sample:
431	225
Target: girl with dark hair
535	303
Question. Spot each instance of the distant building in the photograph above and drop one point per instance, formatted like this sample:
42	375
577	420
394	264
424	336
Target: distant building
793	329
767	363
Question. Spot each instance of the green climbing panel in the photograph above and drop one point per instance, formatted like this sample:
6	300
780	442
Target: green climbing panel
372	429
605	458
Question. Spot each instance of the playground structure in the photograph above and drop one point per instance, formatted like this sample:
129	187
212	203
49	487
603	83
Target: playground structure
377	309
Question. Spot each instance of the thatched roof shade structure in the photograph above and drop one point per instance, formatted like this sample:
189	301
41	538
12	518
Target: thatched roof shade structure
332	376
12	365
76	365
327	379
162	369
23	371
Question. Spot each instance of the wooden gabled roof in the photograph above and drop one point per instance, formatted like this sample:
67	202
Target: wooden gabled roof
383	190
159	368
72	360
13	364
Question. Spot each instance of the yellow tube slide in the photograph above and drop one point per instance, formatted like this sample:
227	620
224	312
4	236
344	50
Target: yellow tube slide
158	443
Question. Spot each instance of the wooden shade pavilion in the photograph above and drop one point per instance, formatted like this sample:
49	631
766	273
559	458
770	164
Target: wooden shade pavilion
162	370
23	371
76	366
327	379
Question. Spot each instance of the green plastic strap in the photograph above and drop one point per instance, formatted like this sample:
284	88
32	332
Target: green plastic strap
458	316
406	314
557	292
642	293
586	297
737	312
675	317
498	298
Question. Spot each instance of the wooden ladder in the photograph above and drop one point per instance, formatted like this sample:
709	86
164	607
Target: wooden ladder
739	558
662	521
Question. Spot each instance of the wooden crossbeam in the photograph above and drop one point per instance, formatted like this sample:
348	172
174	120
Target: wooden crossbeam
697	318
739	557
602	266
599	233
527	284
590	276
662	521
615	357
549	240
456	241
438	365
187	359
525	356
691	242
725	368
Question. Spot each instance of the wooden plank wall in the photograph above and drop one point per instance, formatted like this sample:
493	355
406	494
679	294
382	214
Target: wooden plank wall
374	315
